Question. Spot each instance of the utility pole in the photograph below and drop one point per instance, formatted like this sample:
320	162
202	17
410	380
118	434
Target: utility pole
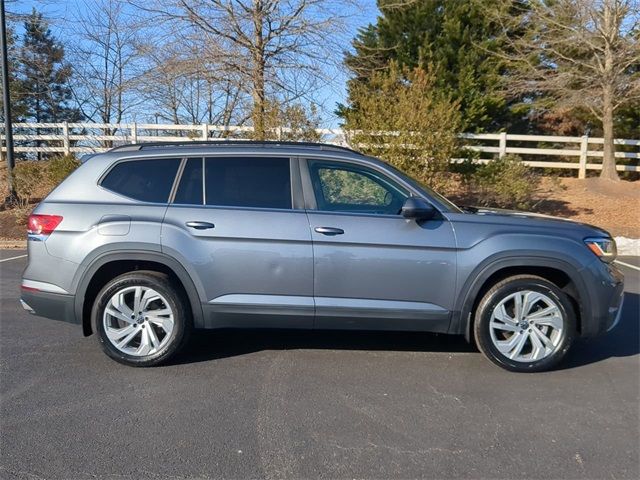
8	129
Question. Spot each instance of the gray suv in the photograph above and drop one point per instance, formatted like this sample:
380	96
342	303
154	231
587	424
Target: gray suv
146	243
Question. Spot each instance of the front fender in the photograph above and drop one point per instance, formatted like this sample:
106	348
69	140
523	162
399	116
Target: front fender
461	319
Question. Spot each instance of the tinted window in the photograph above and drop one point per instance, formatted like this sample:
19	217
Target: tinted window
190	189
340	187
248	182
145	180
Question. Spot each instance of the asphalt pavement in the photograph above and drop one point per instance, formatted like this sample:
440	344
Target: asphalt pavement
255	404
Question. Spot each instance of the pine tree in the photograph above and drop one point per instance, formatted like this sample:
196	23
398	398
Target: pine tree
451	39
15	87
44	75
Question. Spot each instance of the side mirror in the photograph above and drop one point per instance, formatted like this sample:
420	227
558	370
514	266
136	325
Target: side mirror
418	209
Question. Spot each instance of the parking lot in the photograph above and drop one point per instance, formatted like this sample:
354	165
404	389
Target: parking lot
312	405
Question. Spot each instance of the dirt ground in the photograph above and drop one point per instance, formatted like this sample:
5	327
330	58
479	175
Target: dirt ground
614	206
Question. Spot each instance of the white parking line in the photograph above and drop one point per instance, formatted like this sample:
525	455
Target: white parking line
628	265
12	258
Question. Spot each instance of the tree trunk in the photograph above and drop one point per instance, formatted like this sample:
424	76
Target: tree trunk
258	102
258	92
609	171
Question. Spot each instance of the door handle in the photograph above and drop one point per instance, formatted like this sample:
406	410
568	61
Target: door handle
200	225
329	230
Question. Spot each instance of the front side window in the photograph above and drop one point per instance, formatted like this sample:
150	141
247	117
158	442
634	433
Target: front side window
340	187
144	180
248	182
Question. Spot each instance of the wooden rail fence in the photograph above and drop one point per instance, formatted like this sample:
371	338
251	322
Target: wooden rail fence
575	153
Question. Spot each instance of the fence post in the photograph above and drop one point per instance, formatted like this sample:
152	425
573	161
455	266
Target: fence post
584	148
65	140
503	145
205	131
134	132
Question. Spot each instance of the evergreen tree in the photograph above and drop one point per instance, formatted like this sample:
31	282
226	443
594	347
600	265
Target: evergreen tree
402	118
453	40
44	75
15	87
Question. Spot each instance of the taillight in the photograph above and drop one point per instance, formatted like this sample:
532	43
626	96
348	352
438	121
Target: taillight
43	224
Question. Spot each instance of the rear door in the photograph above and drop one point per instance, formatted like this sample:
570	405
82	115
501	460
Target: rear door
235	223
373	268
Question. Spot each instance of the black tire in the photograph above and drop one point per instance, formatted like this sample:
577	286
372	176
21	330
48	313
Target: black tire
502	290
176	300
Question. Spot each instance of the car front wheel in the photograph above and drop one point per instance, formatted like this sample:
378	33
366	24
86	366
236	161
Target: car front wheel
525	323
141	319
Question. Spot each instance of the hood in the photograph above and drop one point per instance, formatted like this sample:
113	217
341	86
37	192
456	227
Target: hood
531	218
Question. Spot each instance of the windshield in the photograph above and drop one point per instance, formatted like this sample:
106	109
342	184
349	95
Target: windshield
445	202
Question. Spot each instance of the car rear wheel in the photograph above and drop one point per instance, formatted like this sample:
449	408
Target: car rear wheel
525	323
141	319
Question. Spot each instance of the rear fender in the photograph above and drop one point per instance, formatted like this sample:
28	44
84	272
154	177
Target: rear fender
133	255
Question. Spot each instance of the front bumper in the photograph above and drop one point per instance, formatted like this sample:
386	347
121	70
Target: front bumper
618	316
56	306
602	309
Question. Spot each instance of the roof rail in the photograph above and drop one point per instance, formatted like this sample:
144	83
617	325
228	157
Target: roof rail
230	143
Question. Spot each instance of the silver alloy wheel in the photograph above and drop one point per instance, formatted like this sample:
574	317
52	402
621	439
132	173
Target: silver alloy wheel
138	321
526	326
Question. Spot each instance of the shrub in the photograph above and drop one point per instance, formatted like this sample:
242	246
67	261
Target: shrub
59	168
29	181
505	182
34	180
297	123
4	184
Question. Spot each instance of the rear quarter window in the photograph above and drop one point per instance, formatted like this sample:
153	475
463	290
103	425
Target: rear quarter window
144	180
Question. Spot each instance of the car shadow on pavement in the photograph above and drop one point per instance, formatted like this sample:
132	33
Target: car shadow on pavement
210	345
206	345
622	341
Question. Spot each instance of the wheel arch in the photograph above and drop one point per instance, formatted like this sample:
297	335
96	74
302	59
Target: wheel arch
558	271
109	265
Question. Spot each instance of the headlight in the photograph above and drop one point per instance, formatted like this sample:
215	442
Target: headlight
603	248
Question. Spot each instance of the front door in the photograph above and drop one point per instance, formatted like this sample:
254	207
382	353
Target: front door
374	269
234	225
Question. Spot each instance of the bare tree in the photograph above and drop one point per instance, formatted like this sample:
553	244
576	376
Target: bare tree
184	88
105	55
277	49
582	53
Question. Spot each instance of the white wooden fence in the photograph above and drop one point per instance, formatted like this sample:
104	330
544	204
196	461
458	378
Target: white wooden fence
575	152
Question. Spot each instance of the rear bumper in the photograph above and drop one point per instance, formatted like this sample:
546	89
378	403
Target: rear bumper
56	306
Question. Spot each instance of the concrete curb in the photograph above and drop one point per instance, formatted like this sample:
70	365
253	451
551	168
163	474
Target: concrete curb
628	246
13	244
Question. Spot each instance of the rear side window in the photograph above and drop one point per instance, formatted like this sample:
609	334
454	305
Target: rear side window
248	182
190	189
144	180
